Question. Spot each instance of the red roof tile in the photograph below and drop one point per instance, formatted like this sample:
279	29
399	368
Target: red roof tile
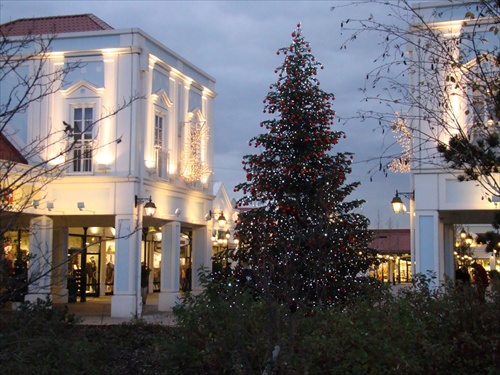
9	152
54	25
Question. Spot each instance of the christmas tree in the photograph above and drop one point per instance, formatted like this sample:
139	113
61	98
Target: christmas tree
301	239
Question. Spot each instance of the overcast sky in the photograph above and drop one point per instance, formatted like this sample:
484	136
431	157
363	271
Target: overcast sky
236	43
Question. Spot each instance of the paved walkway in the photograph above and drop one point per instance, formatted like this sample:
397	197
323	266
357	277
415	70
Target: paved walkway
97	311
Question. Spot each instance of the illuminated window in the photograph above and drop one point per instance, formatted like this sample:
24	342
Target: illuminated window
83	135
161	152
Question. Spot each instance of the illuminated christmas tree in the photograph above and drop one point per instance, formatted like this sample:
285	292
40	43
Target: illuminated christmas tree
302	240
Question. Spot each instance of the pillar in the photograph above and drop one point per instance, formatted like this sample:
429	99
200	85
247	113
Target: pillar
202	254
126	300
449	248
60	261
427	254
170	265
40	264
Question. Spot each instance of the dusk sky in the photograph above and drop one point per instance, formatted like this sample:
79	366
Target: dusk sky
236	42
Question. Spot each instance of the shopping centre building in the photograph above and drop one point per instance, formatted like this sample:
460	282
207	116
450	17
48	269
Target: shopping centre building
131	188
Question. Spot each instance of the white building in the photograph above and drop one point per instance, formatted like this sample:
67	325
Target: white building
159	148
439	201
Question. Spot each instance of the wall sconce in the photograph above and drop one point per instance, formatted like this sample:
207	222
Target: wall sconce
103	168
177	211
149	207
36	203
495	199
397	204
222	220
50	206
81	207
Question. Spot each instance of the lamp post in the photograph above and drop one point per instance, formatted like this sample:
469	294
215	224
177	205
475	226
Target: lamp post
149	210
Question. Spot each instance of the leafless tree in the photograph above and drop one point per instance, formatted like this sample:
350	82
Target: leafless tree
435	87
26	170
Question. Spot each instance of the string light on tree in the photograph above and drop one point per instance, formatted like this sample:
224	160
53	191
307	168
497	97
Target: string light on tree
302	238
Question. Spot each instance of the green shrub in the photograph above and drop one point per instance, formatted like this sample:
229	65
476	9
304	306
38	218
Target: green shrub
423	329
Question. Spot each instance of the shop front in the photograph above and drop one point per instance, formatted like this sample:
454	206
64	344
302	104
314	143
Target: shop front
393	247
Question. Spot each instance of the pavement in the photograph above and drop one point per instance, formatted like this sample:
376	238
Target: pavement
97	311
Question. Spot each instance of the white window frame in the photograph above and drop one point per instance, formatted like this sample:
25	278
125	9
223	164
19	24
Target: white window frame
160	140
86	142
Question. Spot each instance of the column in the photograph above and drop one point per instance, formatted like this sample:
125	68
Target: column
170	266
40	263
449	248
60	261
202	253
126	300
427	253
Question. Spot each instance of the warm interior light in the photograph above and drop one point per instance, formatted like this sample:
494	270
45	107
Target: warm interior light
469	240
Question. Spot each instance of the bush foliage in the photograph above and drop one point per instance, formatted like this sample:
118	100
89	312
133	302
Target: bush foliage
418	330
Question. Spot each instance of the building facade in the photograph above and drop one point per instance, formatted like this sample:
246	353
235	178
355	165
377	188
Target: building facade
439	201
88	226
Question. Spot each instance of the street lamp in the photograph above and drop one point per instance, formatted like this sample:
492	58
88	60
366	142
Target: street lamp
149	207
397	203
222	220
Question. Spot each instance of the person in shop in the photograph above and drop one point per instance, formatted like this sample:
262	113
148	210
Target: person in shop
462	276
144	282
91	269
480	280
462	280
188	278
110	270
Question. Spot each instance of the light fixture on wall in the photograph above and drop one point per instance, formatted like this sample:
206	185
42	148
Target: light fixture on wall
81	207
397	203
36	203
495	199
149	207
103	167
222	220
50	206
178	212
